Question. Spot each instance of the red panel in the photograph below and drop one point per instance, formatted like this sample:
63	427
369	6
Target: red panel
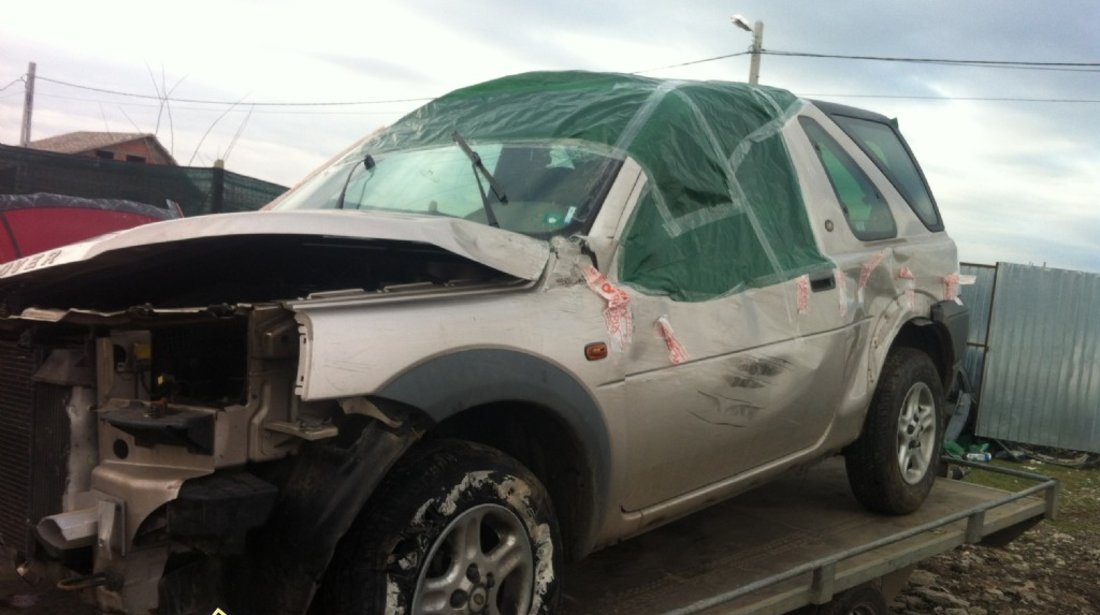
43	228
7	249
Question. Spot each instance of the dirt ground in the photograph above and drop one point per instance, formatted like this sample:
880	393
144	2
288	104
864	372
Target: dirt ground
1053	568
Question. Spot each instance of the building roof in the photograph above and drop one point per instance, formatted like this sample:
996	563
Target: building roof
85	141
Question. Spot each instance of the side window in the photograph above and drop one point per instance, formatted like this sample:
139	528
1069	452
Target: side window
865	209
884	146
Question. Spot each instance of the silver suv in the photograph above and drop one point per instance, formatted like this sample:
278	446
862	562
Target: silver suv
533	318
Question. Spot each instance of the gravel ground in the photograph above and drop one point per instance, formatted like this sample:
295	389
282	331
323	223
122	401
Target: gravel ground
1052	569
1043	572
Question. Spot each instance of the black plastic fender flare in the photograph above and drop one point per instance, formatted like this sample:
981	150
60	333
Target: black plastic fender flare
450	383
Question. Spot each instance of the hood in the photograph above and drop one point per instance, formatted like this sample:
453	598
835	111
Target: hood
263	256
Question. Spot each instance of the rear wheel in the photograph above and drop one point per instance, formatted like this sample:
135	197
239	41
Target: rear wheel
857	601
456	528
892	465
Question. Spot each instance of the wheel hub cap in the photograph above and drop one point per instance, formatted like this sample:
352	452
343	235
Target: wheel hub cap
481	563
916	433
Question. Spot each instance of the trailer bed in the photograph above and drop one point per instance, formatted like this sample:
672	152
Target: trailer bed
806	527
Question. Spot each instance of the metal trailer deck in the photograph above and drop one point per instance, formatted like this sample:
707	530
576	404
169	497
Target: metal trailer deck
792	543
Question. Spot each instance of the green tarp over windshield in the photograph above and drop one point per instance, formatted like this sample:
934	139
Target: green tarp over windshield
723	211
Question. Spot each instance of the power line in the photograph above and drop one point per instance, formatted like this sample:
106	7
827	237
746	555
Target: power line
1080	67
210	109
722	57
1006	64
13	82
964	98
1077	67
402	111
230	102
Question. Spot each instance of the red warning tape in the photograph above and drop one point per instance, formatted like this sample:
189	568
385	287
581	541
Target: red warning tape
620	323
676	352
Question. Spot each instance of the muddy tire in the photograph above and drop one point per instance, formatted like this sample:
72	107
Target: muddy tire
892	465
456	527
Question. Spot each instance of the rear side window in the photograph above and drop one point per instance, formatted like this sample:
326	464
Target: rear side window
865	209
885	147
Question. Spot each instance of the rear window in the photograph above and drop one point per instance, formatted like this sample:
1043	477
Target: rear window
888	151
865	209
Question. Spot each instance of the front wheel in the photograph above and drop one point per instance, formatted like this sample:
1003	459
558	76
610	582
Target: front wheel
455	528
892	465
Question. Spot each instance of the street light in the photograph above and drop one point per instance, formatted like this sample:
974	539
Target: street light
757	30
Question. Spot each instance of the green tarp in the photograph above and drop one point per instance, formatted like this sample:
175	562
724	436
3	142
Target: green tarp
723	211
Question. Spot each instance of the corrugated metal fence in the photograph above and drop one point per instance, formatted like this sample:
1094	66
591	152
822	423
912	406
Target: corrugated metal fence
1034	354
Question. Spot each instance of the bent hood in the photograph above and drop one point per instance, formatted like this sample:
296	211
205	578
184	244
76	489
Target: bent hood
259	256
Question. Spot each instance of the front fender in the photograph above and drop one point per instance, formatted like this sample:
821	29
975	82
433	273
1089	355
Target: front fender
446	385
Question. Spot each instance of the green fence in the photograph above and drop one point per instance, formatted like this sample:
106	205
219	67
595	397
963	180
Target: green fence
197	190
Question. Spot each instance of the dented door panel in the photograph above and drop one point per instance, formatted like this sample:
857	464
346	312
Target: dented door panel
749	392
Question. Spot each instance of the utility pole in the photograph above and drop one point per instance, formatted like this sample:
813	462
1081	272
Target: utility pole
28	107
757	48
757	30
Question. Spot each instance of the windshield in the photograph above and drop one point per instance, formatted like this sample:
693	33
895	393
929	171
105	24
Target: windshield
551	188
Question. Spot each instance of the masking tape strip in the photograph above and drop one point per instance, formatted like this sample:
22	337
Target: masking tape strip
803	284
676	352
865	273
620	323
841	292
910	286
951	287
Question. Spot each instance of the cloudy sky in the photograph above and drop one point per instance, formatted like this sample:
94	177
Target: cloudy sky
1013	155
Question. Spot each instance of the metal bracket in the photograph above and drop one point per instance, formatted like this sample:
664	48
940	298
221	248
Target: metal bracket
821	591
309	433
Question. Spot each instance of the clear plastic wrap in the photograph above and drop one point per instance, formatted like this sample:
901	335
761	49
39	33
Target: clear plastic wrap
723	210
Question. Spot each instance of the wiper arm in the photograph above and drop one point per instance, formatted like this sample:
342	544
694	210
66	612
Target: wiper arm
479	171
368	162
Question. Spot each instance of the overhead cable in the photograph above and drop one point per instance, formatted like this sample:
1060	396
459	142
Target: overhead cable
964	98
722	57
1003	64
1083	67
214	109
13	82
198	101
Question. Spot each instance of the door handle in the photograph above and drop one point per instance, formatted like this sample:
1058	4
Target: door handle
820	282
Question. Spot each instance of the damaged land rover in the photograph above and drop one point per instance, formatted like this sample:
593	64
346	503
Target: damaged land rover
534	317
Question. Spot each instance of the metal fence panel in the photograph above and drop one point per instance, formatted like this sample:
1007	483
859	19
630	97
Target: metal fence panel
1042	376
978	297
974	366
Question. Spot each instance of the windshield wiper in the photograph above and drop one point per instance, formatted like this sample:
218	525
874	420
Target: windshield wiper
368	163
479	171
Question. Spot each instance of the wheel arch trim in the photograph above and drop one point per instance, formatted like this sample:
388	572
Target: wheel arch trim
446	385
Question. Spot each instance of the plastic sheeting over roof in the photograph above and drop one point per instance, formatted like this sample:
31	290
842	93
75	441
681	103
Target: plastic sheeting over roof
723	211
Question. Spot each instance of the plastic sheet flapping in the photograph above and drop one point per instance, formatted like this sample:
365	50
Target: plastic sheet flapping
722	212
